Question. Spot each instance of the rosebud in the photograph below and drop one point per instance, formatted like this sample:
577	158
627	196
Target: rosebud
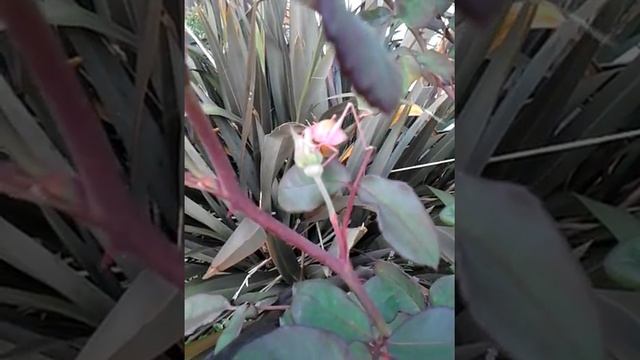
327	135
305	153
327	132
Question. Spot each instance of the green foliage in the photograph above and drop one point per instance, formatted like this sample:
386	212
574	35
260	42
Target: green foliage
436	63
298	192
421	13
389	299
233	328
428	334
404	222
302	74
321	305
442	292
392	276
201	309
296	342
622	263
448	214
622	224
192	21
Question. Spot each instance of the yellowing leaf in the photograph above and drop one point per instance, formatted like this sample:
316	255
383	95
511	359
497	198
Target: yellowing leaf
548	16
346	154
415	110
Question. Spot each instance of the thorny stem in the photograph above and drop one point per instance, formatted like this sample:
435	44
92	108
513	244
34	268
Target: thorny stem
230	190
107	196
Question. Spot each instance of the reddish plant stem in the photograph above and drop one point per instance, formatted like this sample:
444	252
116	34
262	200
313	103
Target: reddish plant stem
230	190
346	217
51	191
98	170
201	183
341	236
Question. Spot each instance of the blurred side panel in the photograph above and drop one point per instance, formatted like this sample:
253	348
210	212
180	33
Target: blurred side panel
91	104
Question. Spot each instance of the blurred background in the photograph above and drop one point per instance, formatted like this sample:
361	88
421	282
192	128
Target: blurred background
62	295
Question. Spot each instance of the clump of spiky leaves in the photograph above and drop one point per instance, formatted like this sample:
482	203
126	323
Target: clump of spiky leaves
293	77
61	294
546	99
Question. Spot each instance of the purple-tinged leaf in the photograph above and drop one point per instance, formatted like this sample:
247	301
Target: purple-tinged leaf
403	220
361	55
523	285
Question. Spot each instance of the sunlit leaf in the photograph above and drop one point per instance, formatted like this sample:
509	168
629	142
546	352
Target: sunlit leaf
547	16
414	110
